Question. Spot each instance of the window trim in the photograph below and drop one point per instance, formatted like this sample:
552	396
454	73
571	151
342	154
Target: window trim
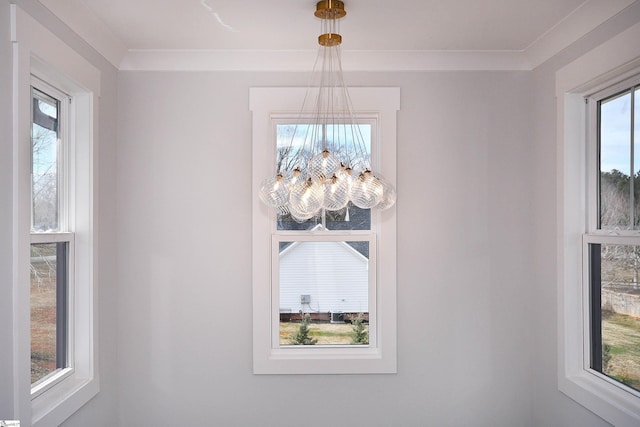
269	105
613	61
60	374
38	52
65	152
62	235
322	236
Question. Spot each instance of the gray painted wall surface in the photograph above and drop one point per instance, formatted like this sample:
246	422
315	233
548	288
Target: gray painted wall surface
463	240
476	230
6	171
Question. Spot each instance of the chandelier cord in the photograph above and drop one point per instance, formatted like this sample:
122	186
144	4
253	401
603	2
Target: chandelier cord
330	169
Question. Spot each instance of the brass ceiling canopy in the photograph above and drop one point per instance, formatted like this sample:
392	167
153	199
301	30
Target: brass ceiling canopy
329	39
330	10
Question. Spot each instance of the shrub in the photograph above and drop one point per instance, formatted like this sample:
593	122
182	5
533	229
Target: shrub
606	357
359	333
302	337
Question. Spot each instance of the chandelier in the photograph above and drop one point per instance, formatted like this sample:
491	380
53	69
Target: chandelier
330	166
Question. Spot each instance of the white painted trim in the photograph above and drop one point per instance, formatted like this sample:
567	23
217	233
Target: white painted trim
39	52
81	19
297	237
265	104
614	59
302	60
580	22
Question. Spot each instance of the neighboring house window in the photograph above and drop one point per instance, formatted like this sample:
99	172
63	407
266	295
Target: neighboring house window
612	240
599	229
324	289
52	239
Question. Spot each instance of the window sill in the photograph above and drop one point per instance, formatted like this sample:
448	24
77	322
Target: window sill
50	381
609	401
58	403
315	361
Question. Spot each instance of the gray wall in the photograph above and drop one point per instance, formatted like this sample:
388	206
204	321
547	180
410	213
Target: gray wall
184	245
476	231
6	171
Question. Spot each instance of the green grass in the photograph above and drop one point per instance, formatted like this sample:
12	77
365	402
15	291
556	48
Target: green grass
321	333
325	333
616	350
622	334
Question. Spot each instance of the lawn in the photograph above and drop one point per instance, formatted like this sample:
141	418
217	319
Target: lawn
622	334
43	329
43	310
325	333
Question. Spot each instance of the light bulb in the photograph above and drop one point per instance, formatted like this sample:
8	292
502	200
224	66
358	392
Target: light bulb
388	196
292	177
274	192
323	165
336	193
300	217
366	191
306	198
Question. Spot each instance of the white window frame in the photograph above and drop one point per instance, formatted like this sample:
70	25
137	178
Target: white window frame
37	52
608	64
64	233
269	106
322	236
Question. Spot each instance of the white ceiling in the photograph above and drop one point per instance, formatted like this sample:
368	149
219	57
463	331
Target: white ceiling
121	28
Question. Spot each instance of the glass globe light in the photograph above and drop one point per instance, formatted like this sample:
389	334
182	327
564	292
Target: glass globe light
306	198
336	193
292	177
300	217
346	173
388	196
282	210
366	191
274	192
323	165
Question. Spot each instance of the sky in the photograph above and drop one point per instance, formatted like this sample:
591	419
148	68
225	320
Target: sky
615	137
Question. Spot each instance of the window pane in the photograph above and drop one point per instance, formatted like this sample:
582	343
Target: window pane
48	308
290	140
329	283
45	162
616	325
636	158
615	162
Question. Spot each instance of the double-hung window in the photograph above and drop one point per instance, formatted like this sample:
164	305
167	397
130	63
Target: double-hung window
598	233
55	98
52	239
324	288
611	245
323	268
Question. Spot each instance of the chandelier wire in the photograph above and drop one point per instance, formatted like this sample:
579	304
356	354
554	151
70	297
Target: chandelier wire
331	168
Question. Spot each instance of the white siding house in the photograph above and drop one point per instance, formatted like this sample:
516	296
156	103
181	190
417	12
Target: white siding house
321	277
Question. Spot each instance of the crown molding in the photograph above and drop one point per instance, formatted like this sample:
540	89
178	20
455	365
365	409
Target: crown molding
283	60
77	16
580	22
